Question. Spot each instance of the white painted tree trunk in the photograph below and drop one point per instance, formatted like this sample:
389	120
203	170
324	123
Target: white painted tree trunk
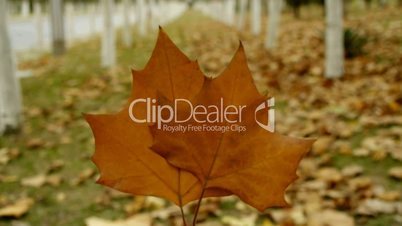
10	99
25	8
163	8
57	26
242	12
127	25
39	24
108	35
256	17
92	17
274	17
153	9
142	17
220	10
70	12
230	11
334	49
151	12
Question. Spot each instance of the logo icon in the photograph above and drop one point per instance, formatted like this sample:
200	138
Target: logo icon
268	104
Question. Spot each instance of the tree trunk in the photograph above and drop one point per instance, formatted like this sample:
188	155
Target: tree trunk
57	24
334	48
127	25
39	24
108	35
256	17
142	17
242	12
345	10
163	8
153	13
368	4
275	10
70	14
92	17
25	8
230	11
10	99
296	8
190	3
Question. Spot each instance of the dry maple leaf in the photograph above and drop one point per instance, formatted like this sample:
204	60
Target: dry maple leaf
122	152
256	165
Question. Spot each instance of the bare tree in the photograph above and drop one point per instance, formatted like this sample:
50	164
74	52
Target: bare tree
296	4
163	8
256	16
153	10
57	27
142	17
108	35
93	8
127	25
39	24
25	8
70	15
334	49
242	12
274	16
230	11
10	99
367	3
383	3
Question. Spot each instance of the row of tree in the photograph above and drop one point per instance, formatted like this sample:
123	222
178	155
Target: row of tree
234	11
334	41
10	99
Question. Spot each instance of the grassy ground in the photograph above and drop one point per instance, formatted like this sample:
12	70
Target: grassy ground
55	140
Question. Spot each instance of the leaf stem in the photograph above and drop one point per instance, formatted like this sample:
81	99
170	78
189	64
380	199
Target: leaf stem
204	186
180	199
182	216
197	209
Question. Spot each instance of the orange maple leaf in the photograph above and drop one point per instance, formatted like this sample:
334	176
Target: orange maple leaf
122	152
256	165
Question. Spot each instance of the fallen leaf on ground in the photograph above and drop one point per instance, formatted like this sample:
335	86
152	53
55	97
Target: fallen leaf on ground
330	218
352	170
83	176
4	158
35	181
322	145
360	183
249	220
390	196
55	166
376	206
35	143
17	209
395	172
329	174
54	180
137	220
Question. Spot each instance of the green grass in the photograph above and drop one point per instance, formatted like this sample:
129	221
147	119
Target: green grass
376	169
